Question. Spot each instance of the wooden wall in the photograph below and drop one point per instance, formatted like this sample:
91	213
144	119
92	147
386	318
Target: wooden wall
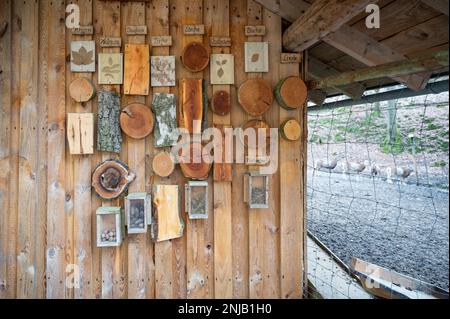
47	206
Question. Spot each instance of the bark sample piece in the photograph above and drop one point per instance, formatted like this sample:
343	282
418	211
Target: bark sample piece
137	69
110	68
82	56
165	109
167	222
163	164
110	226
291	93
255	96
138	210
291	130
223	170
256	57
109	136
192	162
80	133
196	199
81	90
258	127
137	120
195	57
191	105
222	69
221	103
111	178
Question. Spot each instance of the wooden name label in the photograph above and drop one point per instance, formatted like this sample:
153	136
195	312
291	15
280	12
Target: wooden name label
194	29
290	58
258	30
136	30
83	30
107	42
220	41
162	41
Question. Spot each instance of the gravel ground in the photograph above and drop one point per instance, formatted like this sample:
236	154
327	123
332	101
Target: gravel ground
401	227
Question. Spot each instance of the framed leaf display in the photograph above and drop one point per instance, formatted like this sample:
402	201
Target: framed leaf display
222	69
110	68
82	56
163	71
256	57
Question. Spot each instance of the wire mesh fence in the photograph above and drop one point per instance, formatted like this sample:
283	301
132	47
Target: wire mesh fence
378	190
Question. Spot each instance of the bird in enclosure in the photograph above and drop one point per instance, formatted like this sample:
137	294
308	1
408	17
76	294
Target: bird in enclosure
389	172
352	167
325	164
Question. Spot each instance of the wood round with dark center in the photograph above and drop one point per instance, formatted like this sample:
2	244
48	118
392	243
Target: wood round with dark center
221	103
291	130
137	120
81	90
111	178
257	125
291	92
163	164
195	57
255	96
194	166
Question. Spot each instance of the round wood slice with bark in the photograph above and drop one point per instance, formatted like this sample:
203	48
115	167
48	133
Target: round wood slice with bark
255	96
291	92
137	120
220	103
290	130
163	164
258	126
195	57
81	90
111	179
194	166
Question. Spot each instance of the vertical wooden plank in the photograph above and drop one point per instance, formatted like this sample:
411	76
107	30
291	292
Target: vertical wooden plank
256	216
55	250
218	20
28	151
292	166
5	147
82	211
137	243
270	217
240	240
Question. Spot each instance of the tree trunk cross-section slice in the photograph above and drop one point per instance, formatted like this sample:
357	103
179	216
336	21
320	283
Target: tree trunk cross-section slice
137	120
257	126
194	166
195	57
111	179
255	96
290	130
163	164
291	93
81	90
221	104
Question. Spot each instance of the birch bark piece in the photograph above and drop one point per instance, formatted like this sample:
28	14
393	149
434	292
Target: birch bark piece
194	166
165	109
255	96
290	130
137	120
163	164
256	125
195	57
111	179
221	103
81	90
291	93
109	135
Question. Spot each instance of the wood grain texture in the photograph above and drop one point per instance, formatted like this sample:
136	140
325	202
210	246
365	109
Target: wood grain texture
137	69
80	133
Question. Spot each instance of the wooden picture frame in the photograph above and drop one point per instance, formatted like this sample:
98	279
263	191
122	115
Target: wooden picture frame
196	199
110	226
256	190
138	212
110	68
82	56
222	69
256	57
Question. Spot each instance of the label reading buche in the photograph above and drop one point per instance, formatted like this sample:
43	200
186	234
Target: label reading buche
162	41
258	30
192	29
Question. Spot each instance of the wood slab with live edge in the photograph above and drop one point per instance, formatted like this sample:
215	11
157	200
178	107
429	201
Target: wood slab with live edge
137	69
167	223
137	120
80	133
191	105
255	96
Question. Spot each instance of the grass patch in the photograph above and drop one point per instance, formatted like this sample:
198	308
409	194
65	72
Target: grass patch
440	164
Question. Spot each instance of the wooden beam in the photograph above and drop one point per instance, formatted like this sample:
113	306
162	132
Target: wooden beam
367	50
424	63
289	10
438	5
319	70
323	17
